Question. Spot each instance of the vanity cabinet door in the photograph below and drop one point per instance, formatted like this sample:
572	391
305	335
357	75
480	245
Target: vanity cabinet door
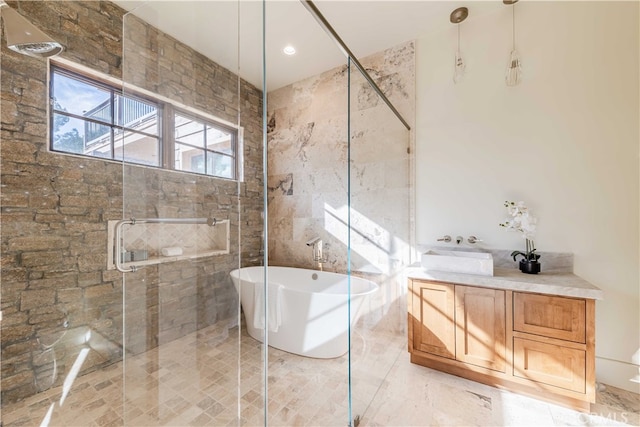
549	363
550	316
481	327
431	318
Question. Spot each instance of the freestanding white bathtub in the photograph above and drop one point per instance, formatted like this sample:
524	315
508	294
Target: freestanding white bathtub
313	318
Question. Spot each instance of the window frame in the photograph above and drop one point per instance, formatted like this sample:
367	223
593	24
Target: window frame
167	111
112	124
233	133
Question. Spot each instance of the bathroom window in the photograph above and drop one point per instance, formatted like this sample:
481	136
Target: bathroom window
92	118
97	120
203	147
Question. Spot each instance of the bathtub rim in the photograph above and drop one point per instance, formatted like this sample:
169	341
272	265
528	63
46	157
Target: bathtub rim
373	287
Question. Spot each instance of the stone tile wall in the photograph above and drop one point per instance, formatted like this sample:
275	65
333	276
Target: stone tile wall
57	295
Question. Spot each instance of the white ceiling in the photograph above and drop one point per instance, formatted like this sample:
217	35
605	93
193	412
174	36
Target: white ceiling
230	32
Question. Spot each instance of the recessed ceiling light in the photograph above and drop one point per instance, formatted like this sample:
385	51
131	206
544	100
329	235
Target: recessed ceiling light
289	50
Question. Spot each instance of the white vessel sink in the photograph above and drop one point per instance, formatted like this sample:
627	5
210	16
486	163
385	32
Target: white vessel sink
479	263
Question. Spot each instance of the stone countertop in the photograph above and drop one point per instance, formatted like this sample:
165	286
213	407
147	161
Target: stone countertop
562	284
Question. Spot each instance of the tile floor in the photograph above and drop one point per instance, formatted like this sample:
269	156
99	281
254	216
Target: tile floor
198	381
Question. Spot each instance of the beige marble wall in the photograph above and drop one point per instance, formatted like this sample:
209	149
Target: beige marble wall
308	145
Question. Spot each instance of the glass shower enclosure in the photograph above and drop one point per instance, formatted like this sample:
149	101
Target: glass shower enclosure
190	219
250	172
223	155
117	293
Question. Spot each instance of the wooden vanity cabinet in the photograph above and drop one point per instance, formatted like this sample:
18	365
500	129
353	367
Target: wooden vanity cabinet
542	345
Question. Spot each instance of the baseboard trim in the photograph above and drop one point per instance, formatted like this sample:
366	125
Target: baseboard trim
618	374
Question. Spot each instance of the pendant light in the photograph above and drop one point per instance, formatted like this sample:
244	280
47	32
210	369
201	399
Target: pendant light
514	66
459	66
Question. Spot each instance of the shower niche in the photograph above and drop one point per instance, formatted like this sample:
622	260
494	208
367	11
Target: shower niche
156	241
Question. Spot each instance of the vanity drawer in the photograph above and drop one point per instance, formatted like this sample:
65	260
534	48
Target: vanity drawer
550	316
550	364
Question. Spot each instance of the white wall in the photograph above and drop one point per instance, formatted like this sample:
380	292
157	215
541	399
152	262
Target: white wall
566	141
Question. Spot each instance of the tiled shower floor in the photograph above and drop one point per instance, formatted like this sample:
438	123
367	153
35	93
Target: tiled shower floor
194	381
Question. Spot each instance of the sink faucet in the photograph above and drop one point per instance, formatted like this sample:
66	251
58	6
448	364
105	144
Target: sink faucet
318	256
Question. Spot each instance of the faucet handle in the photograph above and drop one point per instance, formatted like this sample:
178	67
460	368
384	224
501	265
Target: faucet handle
474	239
446	238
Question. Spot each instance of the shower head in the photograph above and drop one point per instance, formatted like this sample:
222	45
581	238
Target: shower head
23	37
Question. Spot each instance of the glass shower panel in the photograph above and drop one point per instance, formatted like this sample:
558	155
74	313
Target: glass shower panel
379	218
188	224
307	137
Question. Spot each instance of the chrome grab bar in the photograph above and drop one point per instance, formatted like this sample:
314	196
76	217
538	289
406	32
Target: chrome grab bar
133	221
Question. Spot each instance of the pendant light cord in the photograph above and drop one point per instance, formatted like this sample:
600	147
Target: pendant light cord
513	23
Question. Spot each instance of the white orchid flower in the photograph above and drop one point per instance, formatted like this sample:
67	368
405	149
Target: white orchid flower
522	221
